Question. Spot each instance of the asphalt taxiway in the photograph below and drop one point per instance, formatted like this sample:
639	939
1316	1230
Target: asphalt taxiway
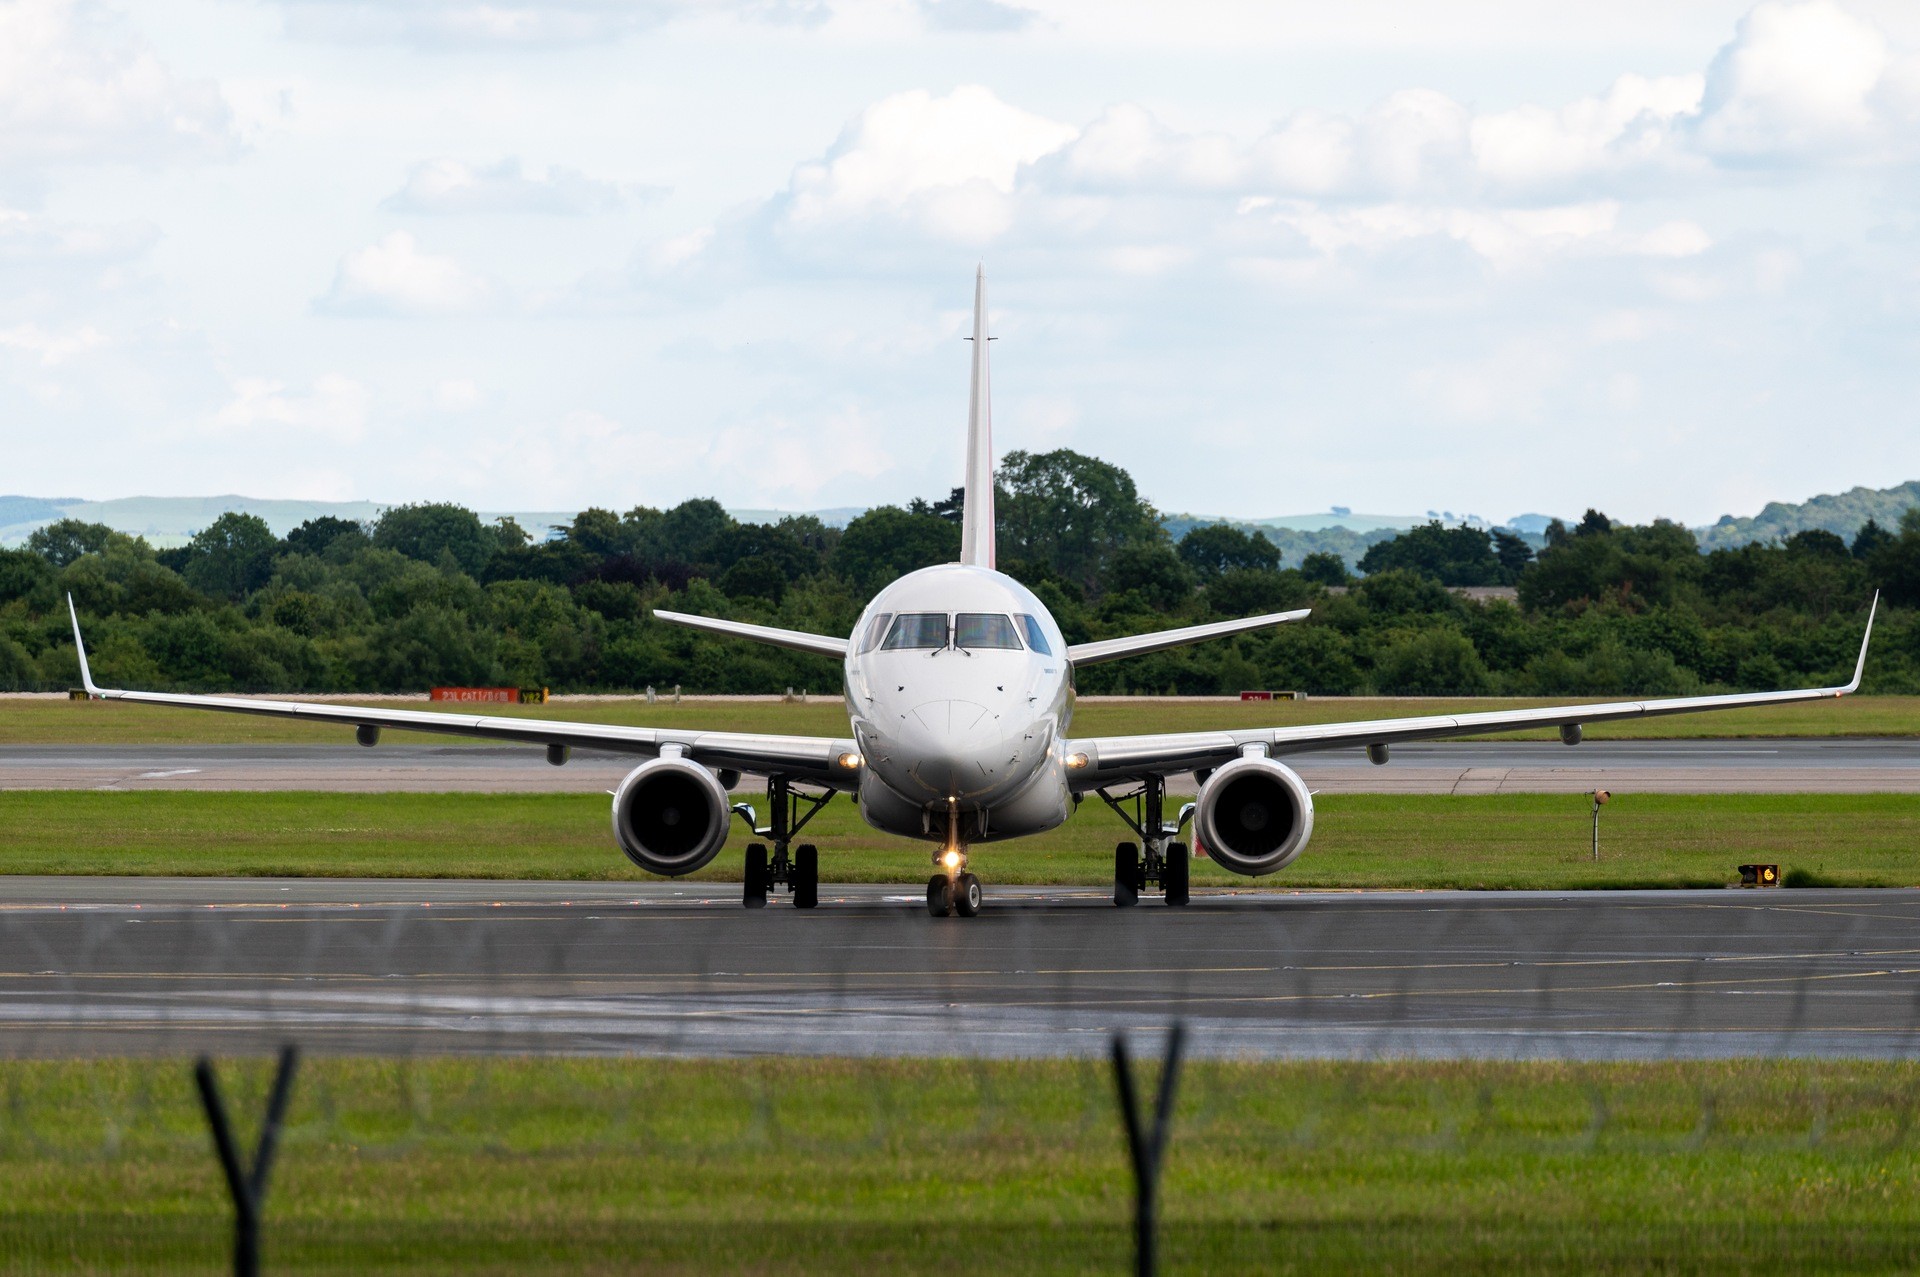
118	965
1467	767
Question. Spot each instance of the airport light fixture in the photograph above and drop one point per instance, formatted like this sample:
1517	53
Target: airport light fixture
1600	797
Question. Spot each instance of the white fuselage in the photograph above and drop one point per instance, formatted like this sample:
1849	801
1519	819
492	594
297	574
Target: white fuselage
960	693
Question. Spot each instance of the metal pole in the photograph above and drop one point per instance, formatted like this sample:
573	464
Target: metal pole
1145	1147
248	1186
1596	829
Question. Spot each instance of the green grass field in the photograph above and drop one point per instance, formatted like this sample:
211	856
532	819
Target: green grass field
793	1165
1360	840
56	721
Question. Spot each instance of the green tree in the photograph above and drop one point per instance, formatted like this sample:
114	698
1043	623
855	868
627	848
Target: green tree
1151	570
1451	556
1325	568
64	540
1251	592
1071	512
231	557
1895	565
29	577
425	532
887	542
691	530
1437	662
1221	547
1869	538
315	536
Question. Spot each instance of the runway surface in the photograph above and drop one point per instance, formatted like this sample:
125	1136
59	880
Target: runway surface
91	966
1465	767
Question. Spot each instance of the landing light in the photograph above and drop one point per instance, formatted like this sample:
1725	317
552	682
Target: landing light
1076	760
951	860
850	760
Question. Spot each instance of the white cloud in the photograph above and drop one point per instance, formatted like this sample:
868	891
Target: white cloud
1631	126
975	15
1797	79
946	164
33	239
456	395
394	277
450	186
52	348
75	87
335	408
537	24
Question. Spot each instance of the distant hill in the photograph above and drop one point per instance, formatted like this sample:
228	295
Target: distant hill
1843	513
172	521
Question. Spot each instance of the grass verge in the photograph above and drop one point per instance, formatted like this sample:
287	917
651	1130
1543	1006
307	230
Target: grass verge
53	721
786	1165
1360	840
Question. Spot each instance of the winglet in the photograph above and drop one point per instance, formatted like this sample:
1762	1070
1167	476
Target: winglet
86	675
1860	666
976	514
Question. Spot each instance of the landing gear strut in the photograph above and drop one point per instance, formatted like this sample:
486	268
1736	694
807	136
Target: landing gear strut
797	867
1165	861
952	889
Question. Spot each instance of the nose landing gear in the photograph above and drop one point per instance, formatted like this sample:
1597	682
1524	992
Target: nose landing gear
797	867
952	889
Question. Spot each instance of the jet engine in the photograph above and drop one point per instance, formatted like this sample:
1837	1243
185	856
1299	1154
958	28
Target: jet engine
1254	816
670	816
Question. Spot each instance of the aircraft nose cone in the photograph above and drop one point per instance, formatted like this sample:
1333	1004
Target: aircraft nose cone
949	720
958	746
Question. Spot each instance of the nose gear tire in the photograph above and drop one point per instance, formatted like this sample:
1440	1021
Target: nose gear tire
1126	874
806	876
939	895
753	892
1176	874
966	896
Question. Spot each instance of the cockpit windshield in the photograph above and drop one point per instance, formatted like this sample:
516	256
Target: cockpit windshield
984	629
1036	637
917	630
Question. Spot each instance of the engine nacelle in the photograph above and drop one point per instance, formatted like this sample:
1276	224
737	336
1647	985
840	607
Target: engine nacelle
670	816
1254	816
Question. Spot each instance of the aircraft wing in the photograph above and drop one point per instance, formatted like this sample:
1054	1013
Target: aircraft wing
798	640
1160	640
813	759
1111	759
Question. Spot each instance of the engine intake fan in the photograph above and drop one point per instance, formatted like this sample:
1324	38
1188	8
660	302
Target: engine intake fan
670	816
1254	816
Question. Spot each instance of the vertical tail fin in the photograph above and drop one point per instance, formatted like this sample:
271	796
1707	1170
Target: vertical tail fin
976	522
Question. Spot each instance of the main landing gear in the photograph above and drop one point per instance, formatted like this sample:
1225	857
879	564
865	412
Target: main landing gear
797	867
1157	858
952	889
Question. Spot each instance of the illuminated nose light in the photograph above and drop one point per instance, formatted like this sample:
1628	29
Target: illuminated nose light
951	860
850	761
1076	760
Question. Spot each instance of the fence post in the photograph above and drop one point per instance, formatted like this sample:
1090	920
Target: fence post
1147	1148
247	1185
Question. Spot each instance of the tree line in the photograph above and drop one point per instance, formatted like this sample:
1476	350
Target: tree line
430	595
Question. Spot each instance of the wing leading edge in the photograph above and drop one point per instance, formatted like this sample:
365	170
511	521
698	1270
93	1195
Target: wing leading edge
1113	758
809	758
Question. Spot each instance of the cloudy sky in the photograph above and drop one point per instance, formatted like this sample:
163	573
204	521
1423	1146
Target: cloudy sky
1477	255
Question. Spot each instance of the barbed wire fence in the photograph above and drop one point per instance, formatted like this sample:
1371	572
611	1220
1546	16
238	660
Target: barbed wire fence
636	1063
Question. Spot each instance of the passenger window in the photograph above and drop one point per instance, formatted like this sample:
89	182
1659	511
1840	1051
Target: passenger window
917	630
875	628
984	629
1036	638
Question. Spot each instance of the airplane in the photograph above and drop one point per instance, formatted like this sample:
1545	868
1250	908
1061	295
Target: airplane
959	689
